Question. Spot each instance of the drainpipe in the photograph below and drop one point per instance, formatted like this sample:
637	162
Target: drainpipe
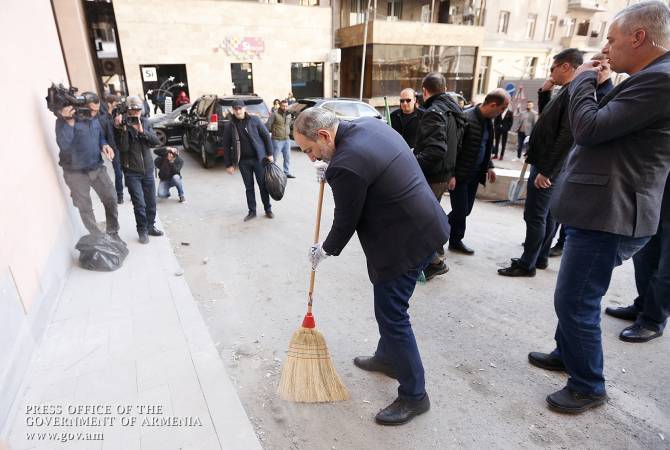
365	46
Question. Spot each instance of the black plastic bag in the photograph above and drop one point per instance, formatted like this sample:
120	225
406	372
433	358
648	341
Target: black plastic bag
101	252
275	180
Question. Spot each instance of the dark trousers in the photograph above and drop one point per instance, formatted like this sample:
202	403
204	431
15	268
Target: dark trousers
397	345
652	278
561	237
142	190
520	137
118	175
80	184
250	168
462	200
589	257
500	136
439	189
540	226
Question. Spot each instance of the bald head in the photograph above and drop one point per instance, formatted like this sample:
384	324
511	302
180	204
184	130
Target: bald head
495	103
408	100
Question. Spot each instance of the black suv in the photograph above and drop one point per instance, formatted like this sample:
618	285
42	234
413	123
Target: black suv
207	117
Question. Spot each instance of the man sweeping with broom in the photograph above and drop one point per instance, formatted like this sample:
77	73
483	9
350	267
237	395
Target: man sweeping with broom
381	193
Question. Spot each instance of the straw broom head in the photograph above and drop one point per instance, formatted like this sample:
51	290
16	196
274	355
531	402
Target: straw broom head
308	374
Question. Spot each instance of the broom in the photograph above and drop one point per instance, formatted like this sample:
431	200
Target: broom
308	374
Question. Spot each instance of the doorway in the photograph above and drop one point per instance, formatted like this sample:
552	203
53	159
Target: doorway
162	83
243	78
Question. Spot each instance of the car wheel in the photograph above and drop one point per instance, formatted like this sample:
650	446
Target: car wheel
184	142
206	159
162	137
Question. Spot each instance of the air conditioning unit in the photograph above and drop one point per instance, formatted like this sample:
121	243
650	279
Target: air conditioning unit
110	66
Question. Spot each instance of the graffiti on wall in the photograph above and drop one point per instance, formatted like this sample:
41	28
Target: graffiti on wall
242	48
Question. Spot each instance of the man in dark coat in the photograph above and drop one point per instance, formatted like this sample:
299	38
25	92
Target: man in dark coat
381	194
247	143
473	164
610	194
550	142
440	132
502	124
405	120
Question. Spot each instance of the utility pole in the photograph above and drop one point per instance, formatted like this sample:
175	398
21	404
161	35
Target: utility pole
365	46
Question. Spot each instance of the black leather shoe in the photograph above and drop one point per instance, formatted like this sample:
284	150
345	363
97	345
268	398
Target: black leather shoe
556	250
515	270
370	364
144	238
569	402
153	231
623	313
119	200
638	333
434	270
248	217
541	264
546	361
288	175
402	411
460	247
269	214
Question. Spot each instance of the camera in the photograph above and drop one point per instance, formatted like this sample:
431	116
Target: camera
122	109
58	97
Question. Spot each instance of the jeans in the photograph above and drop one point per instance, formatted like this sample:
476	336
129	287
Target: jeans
165	185
520	137
250	168
118	175
397	346
80	184
462	200
500	136
283	147
142	190
652	278
589	257
540	226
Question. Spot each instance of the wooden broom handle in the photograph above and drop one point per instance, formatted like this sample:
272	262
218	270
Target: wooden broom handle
316	241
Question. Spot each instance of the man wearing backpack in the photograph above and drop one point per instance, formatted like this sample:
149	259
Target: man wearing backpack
439	135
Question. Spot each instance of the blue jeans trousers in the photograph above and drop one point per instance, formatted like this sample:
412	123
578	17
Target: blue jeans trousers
165	185
652	278
589	257
283	147
397	346
142	190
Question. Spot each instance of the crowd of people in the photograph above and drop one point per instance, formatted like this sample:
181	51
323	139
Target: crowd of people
599	160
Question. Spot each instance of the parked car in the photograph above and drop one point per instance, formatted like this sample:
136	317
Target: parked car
207	117
344	108
169	127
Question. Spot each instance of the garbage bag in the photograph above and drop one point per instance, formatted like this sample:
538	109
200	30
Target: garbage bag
101	252
275	180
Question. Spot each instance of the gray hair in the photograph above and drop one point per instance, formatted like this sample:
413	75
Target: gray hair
652	16
310	121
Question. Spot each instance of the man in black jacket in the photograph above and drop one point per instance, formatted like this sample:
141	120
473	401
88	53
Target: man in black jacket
106	109
247	142
135	137
473	164
502	124
381	194
405	120
549	145
440	132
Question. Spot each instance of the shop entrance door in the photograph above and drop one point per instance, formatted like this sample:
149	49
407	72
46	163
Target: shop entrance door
243	78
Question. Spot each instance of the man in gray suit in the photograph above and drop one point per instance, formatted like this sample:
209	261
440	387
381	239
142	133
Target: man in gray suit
610	193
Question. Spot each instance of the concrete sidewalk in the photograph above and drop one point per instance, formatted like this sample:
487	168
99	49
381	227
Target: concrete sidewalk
127	363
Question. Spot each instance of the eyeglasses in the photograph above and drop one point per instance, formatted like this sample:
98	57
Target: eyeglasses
405	100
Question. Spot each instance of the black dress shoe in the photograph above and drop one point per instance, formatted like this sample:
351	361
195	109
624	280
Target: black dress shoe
556	250
269	215
144	238
370	364
248	217
569	402
623	313
119	200
153	231
288	175
434	270
460	247
541	263
402	411
638	333
546	361
515	270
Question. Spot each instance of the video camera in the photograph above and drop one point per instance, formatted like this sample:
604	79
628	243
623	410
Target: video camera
122	109
58	97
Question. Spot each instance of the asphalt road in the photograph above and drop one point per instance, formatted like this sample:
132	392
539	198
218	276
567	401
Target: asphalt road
474	330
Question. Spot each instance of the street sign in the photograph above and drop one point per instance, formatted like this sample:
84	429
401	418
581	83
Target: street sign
510	88
149	74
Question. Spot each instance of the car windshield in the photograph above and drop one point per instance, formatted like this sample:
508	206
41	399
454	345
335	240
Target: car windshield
350	109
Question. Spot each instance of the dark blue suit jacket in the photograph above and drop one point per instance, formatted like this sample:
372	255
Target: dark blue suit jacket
381	193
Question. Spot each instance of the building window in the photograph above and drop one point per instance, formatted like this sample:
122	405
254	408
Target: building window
309	2
551	28
357	11
484	75
393	9
530	67
603	30
570	29
531	21
583	28
503	22
243	78
307	79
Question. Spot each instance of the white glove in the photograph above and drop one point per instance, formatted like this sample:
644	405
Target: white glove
316	255
320	167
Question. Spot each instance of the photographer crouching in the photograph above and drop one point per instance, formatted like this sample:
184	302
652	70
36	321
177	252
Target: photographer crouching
81	140
169	164
134	138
